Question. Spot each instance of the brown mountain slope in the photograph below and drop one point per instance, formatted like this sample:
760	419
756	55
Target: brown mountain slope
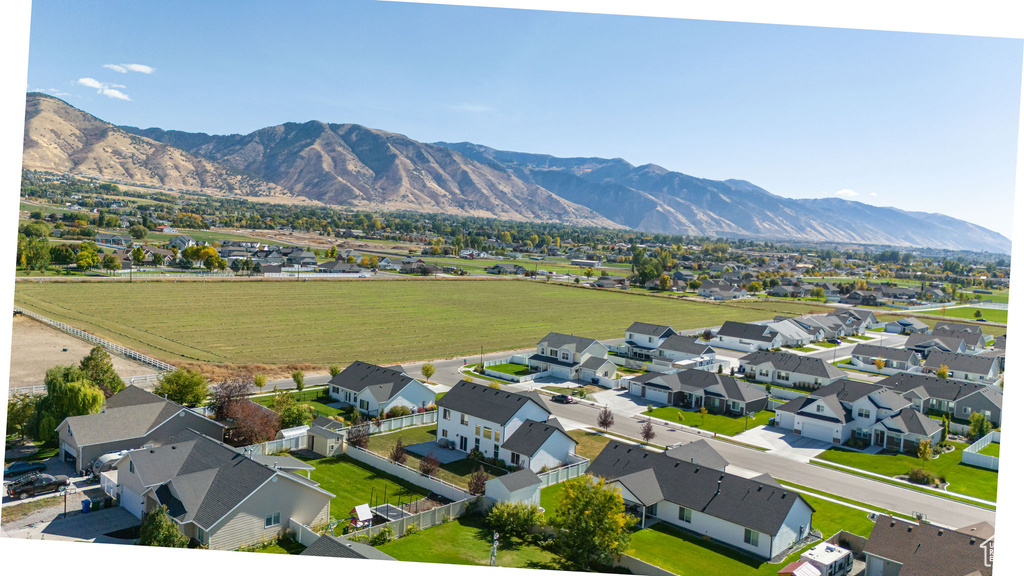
62	138
350	165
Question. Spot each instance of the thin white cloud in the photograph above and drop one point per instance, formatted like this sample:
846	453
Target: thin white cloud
51	92
873	194
846	193
103	88
126	68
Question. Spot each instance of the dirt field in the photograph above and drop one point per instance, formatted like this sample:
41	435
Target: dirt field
36	348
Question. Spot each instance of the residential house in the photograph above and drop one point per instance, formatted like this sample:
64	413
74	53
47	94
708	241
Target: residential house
375	389
165	230
105	240
301	258
796	334
974	340
696	388
968	367
698	452
862	298
906	326
790	370
474	416
130	419
180	242
217	496
330	546
679	348
840	411
564	355
720	290
905	430
643	339
537	446
746	337
760	518
823	326
867	357
937	396
856	320
338	267
925	344
505	268
684	276
900	548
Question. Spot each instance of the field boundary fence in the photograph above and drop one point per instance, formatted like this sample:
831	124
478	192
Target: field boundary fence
106	344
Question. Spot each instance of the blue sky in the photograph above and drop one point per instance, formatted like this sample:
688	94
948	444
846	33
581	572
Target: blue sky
915	121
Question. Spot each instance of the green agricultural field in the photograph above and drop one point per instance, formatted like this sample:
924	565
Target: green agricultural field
968	313
338	322
986	327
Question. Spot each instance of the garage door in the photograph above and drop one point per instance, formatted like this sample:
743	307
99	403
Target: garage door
818	432
657	395
132	502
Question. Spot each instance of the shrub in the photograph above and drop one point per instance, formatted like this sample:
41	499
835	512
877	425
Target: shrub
411	529
921	476
385	535
514	520
398	412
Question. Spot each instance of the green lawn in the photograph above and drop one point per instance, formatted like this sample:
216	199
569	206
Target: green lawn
46	450
353	483
801	348
823	344
282	546
963	479
309	398
726	425
457	472
511	369
991	450
968	313
931	321
338	322
466	540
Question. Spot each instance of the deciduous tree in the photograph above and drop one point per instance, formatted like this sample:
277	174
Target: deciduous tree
427	370
159	530
477	481
99	369
605	419
226	393
429	465
252	423
647	431
300	380
183	386
397	453
591	525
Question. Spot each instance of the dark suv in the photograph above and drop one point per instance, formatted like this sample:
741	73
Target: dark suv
21	468
36	484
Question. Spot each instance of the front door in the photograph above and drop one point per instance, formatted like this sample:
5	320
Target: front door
879	438
643	391
463	443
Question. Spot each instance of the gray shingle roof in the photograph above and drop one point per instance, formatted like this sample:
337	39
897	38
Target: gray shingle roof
594	363
656	330
518	480
960	362
132	415
755	505
573	343
884	352
699	452
794	364
209	478
910	421
332	547
928	386
746	331
686	345
384	383
530	436
487	403
926	550
939	341
710	383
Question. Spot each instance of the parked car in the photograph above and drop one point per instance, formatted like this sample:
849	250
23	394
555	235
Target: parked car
562	399
836	341
18	469
36	484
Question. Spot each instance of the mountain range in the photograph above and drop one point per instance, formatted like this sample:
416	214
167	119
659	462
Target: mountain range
356	166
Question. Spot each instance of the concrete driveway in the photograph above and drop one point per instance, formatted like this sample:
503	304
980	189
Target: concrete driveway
784	443
621	402
91	526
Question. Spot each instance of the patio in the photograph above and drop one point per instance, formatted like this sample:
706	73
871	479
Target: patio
443	455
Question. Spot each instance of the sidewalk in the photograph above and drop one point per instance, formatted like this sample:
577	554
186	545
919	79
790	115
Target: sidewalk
907	485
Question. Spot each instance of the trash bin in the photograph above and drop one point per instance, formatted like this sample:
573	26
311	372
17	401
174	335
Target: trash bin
86	505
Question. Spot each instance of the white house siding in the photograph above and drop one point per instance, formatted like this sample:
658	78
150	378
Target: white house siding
715	528
785	420
552	453
528	411
730	343
796	525
292	499
877	566
651	394
497	491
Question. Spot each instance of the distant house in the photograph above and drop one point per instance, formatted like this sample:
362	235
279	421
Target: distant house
788	369
338	267
165	230
106	240
757	516
858	321
862	298
130	419
180	242
696	388
906	326
505	268
643	339
375	389
217	496
746	337
900	548
564	356
720	290
932	395
974	340
865	356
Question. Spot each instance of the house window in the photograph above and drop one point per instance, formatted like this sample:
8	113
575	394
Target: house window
497	436
565	355
515	459
364	405
446	414
200	535
750	537
464	419
821	408
477	444
487	433
477	429
444	433
967	409
553	353
131	467
272	520
685	514
783	376
863	413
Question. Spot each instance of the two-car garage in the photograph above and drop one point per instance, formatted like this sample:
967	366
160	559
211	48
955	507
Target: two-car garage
819	432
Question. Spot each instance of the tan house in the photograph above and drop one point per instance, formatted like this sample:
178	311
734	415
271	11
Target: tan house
130	419
216	495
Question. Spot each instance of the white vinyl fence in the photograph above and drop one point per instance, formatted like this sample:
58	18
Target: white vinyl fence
971	456
435	485
427	519
303	534
638	566
107	345
577	467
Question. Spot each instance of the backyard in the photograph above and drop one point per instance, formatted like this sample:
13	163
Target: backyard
466	540
424	319
991	450
354	483
963	479
311	398
457	472
725	425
